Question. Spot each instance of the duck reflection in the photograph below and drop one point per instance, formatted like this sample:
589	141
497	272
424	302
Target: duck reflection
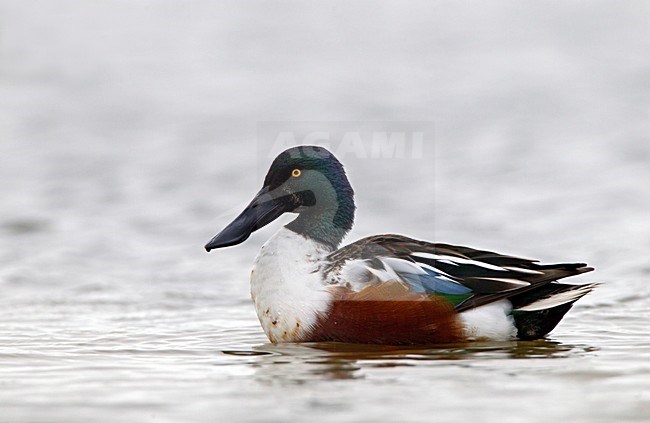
302	363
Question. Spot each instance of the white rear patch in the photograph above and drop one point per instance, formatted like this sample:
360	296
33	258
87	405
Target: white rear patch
491	321
287	286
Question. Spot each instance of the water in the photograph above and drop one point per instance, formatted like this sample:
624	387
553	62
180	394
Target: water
130	134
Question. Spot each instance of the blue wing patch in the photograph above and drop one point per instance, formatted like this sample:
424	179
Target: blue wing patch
433	282
437	283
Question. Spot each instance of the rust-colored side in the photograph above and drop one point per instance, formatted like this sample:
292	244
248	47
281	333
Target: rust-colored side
388	314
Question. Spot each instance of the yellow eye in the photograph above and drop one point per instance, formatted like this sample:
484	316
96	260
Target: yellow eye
295	173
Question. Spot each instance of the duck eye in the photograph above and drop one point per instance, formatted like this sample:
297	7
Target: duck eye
295	173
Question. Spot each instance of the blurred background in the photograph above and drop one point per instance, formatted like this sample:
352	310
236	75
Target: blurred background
131	132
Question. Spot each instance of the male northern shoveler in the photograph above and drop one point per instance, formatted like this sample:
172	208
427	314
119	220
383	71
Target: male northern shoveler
384	289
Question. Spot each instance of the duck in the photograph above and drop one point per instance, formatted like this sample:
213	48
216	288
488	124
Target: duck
383	289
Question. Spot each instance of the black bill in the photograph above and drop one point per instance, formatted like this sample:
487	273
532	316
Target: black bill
264	209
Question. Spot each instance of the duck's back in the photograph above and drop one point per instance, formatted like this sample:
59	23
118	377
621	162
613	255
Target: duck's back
462	293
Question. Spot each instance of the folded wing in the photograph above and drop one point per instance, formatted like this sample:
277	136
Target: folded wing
465	277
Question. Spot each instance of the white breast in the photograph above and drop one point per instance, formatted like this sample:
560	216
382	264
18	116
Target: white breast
287	286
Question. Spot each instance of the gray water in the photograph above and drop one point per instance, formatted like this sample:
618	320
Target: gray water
130	132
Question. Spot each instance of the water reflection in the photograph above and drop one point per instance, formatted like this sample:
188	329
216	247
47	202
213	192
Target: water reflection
300	363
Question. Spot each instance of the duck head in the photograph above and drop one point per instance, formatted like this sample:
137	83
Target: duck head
307	180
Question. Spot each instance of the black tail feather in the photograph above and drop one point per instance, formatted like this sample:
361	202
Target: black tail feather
537	323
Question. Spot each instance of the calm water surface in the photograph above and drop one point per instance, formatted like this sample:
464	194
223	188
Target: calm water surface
129	134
